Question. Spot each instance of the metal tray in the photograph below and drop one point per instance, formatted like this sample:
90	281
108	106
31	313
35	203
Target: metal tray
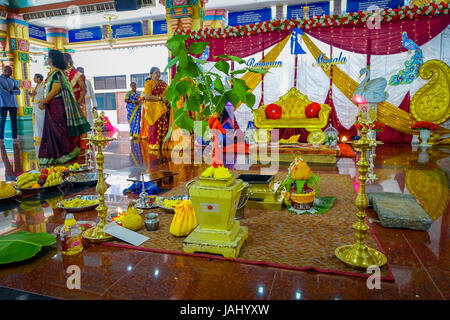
85	179
79	209
152	206
18	193
172	210
256	178
41	189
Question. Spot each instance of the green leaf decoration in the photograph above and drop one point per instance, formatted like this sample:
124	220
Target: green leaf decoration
23	245
290	181
222	66
300	184
198	47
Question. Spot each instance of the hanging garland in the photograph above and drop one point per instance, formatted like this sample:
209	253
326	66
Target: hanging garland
386	15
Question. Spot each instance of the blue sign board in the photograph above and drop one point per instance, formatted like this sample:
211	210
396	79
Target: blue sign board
127	30
160	27
37	32
86	34
247	17
315	9
358	5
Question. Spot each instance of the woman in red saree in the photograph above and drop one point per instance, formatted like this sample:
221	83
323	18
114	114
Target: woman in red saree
154	117
78	84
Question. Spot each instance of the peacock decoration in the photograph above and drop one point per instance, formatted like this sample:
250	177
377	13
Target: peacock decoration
370	91
412	66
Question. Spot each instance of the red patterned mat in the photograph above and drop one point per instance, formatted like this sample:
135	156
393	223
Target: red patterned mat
281	239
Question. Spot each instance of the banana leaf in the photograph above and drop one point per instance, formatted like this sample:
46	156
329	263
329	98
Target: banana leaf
23	245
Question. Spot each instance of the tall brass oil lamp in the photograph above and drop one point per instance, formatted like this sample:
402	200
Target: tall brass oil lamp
97	234
359	255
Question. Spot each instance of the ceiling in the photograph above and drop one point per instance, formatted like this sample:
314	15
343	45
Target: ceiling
151	13
16	4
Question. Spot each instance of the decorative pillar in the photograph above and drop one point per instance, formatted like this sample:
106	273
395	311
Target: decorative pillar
3	41
184	14
17	55
59	37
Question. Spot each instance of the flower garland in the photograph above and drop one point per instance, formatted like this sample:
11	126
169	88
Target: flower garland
354	18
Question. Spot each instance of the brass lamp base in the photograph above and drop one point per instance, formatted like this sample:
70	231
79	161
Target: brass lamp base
362	257
97	234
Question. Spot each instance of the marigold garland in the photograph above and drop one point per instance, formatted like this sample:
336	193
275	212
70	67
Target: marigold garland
354	18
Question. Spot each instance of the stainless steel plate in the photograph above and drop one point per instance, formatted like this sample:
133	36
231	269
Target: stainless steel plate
160	200
79	209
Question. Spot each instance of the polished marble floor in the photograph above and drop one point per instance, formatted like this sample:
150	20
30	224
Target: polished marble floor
419	259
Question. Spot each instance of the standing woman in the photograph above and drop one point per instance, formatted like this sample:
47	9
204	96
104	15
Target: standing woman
63	117
38	115
134	111
78	84
154	117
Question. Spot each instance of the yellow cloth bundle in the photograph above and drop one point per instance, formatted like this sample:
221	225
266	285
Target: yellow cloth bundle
184	220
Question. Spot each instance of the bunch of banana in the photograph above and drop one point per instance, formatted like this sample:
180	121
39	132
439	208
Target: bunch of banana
6	190
78	203
53	179
75	167
27	179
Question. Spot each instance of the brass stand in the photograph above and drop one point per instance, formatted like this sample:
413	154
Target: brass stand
359	255
97	234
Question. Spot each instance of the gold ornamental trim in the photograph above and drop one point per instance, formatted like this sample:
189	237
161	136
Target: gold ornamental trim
432	101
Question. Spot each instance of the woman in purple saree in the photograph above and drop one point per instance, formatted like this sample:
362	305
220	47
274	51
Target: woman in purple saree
63	117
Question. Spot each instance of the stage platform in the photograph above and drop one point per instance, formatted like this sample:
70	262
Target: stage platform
286	152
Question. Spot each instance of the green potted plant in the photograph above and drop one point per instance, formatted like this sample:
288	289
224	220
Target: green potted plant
203	91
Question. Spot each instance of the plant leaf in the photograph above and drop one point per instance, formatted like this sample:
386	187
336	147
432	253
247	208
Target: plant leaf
218	85
183	87
300	184
198	47
240	71
228	57
257	70
171	63
194	102
240	85
250	99
23	245
222	66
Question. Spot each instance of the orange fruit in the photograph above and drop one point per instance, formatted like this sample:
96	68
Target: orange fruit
36	185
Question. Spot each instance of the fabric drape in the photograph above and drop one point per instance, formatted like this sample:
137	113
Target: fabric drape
386	40
242	46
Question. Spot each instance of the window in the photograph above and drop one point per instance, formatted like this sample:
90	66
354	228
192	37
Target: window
140	78
106	101
112	82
